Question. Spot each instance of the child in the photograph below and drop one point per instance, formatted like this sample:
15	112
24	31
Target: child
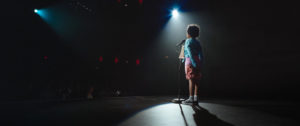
193	59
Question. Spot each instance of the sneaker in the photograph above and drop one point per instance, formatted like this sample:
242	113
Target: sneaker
195	100
188	101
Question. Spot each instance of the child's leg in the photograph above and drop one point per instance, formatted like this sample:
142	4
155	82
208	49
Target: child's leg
196	89
196	85
191	87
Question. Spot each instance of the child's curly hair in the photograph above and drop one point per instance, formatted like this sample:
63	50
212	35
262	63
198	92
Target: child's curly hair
193	30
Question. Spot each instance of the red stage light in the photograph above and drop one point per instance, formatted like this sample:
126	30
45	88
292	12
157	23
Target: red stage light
141	1
45	57
101	59
116	60
137	61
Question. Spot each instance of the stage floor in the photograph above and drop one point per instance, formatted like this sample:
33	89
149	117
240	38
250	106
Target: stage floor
150	111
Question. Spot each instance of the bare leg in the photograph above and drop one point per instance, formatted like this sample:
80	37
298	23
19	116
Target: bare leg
196	89
191	88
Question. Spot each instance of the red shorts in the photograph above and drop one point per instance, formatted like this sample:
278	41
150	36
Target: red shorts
192	73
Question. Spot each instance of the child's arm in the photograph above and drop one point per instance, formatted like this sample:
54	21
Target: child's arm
189	50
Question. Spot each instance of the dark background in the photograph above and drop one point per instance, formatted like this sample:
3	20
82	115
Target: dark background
250	48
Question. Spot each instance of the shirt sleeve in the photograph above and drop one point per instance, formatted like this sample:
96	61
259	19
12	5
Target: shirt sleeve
189	50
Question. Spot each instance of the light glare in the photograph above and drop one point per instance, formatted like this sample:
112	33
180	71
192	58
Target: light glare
175	13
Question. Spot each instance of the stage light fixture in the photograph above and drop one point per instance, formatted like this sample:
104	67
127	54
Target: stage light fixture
36	10
175	13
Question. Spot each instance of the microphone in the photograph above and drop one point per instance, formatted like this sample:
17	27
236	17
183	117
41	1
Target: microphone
182	42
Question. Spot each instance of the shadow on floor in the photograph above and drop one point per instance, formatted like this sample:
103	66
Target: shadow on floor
202	117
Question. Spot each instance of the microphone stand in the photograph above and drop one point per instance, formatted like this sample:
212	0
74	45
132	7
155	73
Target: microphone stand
178	100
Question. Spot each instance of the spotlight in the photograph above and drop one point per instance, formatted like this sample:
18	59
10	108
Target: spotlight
36	10
175	13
